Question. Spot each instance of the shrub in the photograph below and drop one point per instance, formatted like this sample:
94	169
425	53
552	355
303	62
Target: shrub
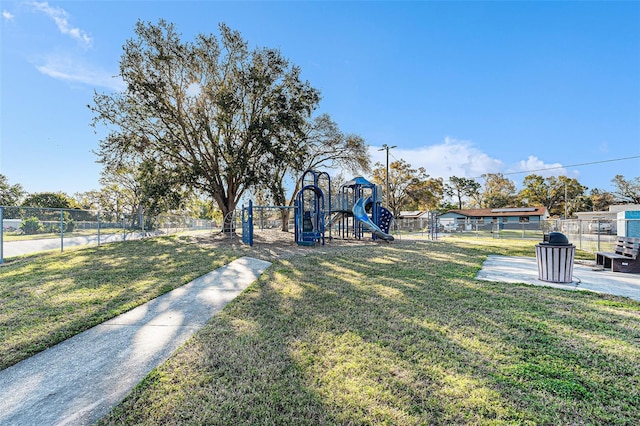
70	225
31	225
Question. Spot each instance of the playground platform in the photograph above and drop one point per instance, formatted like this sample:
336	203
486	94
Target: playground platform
79	380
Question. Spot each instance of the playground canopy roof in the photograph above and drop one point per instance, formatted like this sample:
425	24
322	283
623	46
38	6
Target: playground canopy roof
358	181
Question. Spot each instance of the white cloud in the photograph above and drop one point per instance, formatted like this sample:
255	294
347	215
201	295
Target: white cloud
67	68
8	16
61	18
534	165
452	157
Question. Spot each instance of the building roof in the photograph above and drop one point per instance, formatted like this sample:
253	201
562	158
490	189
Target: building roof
509	211
414	214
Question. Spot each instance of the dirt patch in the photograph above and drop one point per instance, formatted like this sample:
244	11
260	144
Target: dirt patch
275	244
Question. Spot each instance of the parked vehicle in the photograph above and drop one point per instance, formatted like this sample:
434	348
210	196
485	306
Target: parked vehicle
600	227
451	227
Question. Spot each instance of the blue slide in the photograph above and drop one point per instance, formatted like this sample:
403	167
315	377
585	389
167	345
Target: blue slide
360	214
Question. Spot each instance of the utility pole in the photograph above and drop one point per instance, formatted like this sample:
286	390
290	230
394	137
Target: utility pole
565	201
387	148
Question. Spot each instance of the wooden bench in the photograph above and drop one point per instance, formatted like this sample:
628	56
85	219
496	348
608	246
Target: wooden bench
625	258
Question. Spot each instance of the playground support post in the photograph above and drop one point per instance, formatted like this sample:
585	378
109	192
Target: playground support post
247	224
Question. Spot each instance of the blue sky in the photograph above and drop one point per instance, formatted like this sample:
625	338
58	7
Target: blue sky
461	88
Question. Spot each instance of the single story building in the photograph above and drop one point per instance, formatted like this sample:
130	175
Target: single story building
502	218
412	220
606	221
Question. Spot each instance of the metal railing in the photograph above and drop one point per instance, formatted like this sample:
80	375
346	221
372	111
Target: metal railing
26	230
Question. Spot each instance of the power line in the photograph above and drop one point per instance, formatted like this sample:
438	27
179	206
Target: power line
558	167
572	165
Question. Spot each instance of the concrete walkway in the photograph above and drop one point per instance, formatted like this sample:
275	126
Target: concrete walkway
512	269
79	380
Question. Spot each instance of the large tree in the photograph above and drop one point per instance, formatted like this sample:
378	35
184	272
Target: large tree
212	112
627	190
552	192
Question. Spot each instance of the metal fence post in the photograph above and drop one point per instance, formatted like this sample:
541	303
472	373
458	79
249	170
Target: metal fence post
98	228
580	233
1	234
61	231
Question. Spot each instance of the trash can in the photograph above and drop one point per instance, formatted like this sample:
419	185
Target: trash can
555	257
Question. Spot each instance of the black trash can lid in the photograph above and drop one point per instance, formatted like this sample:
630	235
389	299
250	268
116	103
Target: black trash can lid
556	239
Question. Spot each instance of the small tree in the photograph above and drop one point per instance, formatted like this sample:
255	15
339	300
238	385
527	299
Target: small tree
31	226
459	188
405	184
10	195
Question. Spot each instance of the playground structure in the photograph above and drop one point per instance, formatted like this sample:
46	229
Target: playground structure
353	211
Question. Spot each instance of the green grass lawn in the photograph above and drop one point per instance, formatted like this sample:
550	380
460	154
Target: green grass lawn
401	334
50	297
397	334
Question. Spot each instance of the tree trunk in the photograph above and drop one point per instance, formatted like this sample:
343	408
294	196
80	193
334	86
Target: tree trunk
284	214
227	207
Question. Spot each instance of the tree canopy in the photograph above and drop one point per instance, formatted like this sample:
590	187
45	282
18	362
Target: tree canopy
499	191
461	187
52	200
552	192
324	145
406	185
212	114
10	195
627	190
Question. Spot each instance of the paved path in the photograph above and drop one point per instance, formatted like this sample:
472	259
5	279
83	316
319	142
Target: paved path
79	380
512	269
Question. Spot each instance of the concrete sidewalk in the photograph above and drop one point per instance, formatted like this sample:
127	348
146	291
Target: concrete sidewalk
512	269
79	380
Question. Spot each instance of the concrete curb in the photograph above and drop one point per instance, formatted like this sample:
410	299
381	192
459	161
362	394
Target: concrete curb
79	380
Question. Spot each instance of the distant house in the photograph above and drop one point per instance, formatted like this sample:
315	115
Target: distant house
416	219
611	216
504	218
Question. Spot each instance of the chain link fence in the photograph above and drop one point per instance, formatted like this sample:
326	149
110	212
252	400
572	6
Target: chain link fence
587	235
26	230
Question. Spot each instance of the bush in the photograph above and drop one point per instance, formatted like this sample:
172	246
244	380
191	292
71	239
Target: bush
31	225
